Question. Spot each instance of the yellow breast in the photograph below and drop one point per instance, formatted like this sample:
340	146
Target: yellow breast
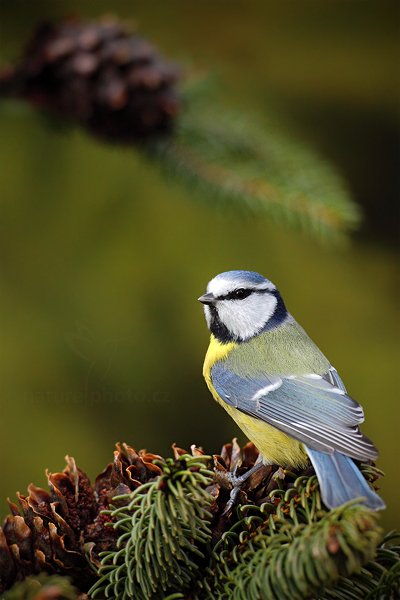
274	445
216	351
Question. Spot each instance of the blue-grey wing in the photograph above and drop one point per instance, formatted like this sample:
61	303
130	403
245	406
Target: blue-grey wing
313	409
332	376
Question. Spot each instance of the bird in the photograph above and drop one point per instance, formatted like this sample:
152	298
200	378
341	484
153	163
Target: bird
281	390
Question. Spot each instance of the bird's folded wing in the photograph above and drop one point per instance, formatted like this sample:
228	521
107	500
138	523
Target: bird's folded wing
313	409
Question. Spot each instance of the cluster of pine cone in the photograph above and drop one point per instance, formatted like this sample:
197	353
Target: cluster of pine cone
100	75
55	531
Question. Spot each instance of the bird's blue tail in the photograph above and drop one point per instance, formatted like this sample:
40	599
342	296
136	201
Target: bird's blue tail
340	480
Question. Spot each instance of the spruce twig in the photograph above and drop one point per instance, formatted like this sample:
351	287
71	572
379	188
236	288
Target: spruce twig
295	561
238	162
155	528
114	83
163	527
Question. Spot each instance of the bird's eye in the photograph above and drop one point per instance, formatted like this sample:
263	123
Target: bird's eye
238	294
241	293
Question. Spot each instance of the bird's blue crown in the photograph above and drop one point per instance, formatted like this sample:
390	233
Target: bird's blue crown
251	277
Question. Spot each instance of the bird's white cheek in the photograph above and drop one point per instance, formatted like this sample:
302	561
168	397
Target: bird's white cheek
244	319
207	314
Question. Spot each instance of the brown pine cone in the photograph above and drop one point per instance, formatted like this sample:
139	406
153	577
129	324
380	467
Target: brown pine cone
99	74
55	531
52	531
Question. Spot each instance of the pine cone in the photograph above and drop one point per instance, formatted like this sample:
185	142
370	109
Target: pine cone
52	531
55	531
99	74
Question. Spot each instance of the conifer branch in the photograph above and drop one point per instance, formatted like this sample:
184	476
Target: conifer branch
295	561
163	527
114	83
151	528
237	162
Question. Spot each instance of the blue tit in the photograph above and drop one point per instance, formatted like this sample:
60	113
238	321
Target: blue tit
270	377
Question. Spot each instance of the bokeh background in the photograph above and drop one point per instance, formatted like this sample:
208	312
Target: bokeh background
102	259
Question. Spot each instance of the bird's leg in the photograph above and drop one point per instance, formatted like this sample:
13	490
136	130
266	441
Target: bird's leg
238	481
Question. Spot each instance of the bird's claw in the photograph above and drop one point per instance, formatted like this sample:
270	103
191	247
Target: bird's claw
235	491
237	482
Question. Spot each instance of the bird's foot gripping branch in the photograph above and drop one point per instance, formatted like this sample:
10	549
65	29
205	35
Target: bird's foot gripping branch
151	527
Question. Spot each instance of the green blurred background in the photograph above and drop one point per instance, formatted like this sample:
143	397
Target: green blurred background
102	259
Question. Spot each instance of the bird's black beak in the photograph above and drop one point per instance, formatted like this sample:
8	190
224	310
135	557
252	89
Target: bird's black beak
207	298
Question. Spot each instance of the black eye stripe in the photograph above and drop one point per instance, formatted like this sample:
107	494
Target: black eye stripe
242	293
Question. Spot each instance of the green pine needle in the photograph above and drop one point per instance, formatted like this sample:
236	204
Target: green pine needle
164	528
289	548
237	162
42	587
379	579
293	562
300	550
